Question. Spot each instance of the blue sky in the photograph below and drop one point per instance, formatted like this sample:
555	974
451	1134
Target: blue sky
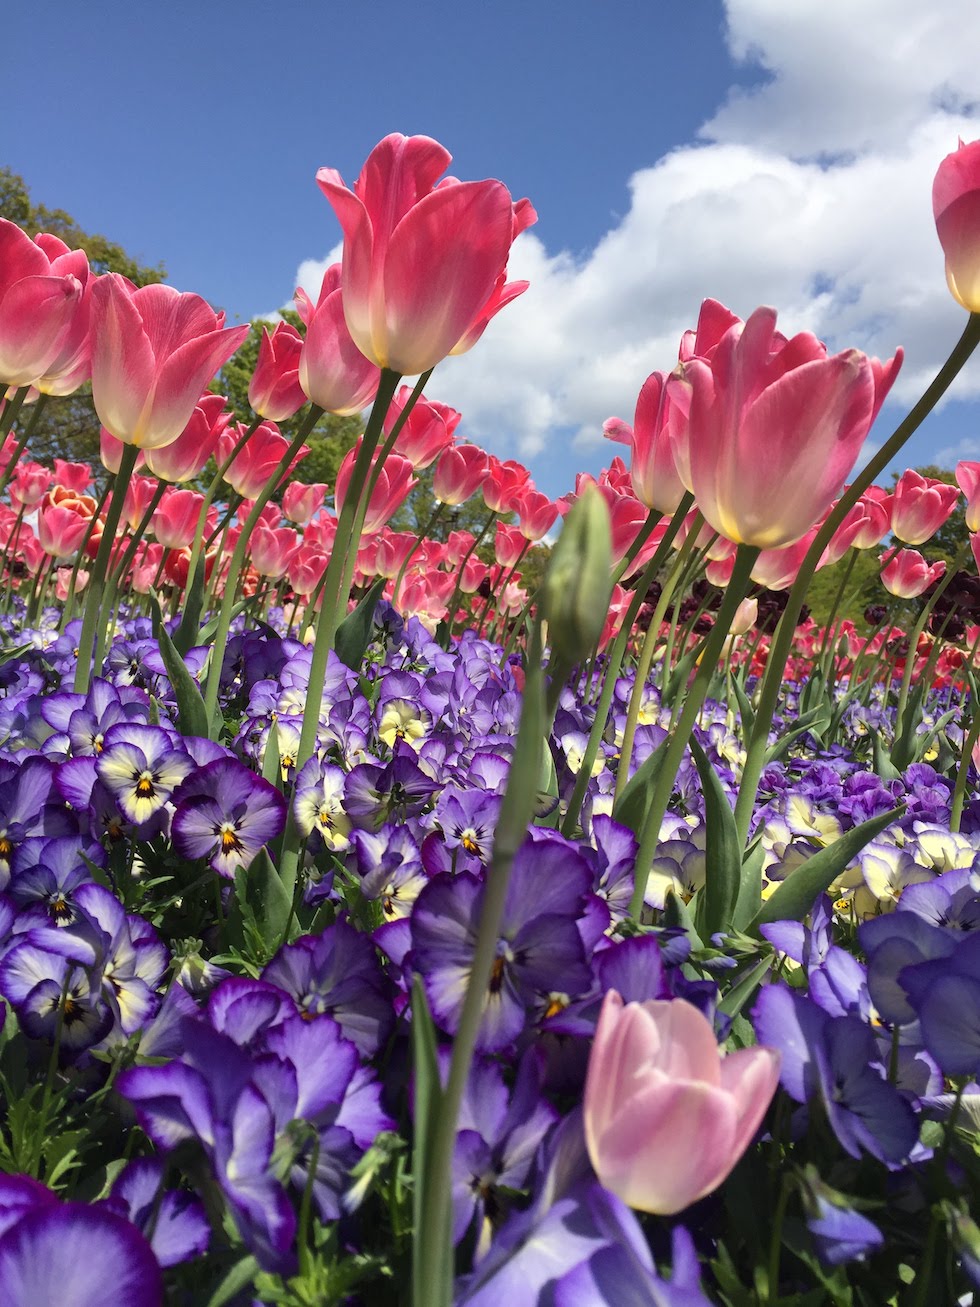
751	150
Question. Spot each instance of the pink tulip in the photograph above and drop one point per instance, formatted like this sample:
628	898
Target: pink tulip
666	1115
653	472
176	517
257	459
508	545
956	208
777	569
305	569
332	370
968	480
459	544
154	350
111	452
908	574
536	514
273	549
503	484
44	305
427	431
300	501
395	480
139	492
423	263
186	456
60	530
774	427
29	483
459	473
274	391
920	506
72	476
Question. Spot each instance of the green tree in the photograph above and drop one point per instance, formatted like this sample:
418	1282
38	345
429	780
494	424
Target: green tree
68	427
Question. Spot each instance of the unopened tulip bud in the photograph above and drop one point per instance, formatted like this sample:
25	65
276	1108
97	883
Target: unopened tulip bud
578	582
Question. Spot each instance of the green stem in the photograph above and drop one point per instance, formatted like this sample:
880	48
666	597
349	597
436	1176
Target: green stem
681	730
76	566
783	640
433	1244
457	591
917	630
614	665
96	581
118	573
650	640
217	655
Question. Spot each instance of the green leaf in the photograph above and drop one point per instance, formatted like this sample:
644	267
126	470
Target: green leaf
815	721
677	913
186	635
745	987
749	899
793	899
266	898
354	632
745	710
238	1278
634	802
192	717
903	750
882	762
272	758
428	1105
722	854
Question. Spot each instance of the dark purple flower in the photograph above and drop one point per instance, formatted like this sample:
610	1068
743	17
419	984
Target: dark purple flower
173	1221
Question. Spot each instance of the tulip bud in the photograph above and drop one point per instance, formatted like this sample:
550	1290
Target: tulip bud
577	585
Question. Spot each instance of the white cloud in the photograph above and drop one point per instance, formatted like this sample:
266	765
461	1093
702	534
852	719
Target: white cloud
811	193
968	448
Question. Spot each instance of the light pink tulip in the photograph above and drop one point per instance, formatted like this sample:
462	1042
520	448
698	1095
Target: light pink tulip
392	487
968	480
332	370
956	208
653	471
153	352
536	514
666	1115
60	530
908	574
44	302
72	476
920	506
774	427
176	516
111	452
423	263
273	550
503	484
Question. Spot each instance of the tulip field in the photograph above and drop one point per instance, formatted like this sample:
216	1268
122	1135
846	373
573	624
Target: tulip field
383	923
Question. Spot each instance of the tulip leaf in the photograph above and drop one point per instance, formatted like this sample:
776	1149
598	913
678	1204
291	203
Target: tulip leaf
263	897
428	1105
546	812
677	913
186	635
793	899
723	860
745	987
355	631
272	758
903	750
749	899
816	721
745	710
192	717
883	765
240	1277
634	802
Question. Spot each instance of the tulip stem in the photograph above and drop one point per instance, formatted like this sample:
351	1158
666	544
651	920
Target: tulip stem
217	656
94	590
779	653
642	670
680	733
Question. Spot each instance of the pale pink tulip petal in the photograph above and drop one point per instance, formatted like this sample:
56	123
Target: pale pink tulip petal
35	314
123	366
669	1146
750	1075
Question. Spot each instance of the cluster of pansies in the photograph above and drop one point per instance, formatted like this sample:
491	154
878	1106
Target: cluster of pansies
367	920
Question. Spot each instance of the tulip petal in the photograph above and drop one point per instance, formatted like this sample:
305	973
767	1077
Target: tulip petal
122	360
751	1076
441	266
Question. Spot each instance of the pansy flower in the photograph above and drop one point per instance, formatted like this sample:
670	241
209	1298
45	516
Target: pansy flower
141	767
225	813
